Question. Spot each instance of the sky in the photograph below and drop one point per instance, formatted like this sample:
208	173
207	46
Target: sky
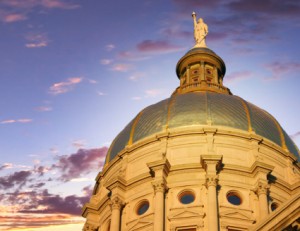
74	73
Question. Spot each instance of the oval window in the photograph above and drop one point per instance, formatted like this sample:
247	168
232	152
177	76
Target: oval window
274	206
234	198
186	197
142	207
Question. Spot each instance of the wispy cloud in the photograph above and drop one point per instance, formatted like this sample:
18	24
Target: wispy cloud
236	76
279	70
66	86
20	10
13	17
110	47
79	143
44	108
36	40
132	56
158	46
106	61
101	93
6	166
295	136
153	92
136	98
136	76
11	121
122	67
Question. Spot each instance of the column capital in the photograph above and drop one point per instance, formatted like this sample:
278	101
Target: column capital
211	180
262	188
159	186
116	203
89	227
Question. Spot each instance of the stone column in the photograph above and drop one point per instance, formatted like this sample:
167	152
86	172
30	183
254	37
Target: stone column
212	163
160	170
159	187
262	192
211	184
117	186
116	205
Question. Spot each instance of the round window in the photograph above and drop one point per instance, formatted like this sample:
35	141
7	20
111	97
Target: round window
186	197
142	207
234	198
274	206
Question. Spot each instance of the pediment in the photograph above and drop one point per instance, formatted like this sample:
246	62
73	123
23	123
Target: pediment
236	214
140	223
185	213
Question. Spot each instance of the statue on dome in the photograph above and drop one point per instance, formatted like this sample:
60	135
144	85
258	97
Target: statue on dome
200	31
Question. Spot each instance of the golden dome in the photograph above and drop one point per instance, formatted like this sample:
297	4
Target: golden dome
199	102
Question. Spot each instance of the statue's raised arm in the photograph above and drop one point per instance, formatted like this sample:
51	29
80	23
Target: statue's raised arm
200	31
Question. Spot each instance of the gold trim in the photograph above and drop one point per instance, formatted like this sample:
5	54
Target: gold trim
282	139
171	103
136	120
247	114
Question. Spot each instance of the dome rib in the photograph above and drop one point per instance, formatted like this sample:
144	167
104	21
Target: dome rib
245	105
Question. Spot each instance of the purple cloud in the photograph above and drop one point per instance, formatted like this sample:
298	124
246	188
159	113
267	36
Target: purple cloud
19	10
158	46
80	163
16	179
279	70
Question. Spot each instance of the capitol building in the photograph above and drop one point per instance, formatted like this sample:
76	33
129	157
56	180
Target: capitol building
201	160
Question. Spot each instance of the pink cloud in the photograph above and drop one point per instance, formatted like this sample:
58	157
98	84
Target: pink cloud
106	61
44	108
58	4
14	17
24	7
78	143
11	121
159	46
121	67
36	40
136	76
66	86
6	166
80	163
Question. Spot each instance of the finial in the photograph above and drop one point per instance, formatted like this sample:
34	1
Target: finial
200	31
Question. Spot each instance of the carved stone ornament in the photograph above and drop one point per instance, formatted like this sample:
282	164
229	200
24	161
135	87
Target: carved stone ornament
262	188
90	227
211	180
116	203
159	186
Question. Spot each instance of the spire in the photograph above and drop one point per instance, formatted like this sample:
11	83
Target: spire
201	69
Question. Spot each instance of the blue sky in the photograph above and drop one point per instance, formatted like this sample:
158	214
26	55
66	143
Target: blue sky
75	72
